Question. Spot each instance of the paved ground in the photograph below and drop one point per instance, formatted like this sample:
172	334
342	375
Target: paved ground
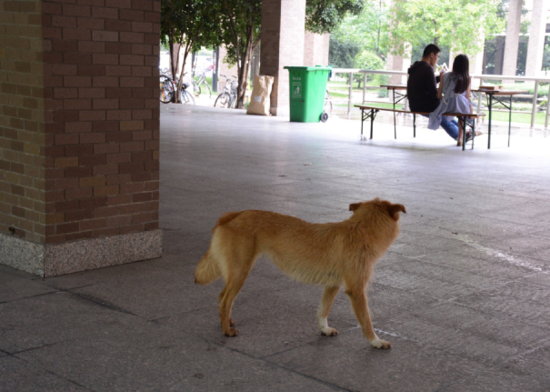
463	294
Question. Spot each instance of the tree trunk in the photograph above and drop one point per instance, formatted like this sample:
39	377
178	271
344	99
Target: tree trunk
243	68
174	63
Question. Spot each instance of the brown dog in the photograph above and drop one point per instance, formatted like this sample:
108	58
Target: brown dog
329	254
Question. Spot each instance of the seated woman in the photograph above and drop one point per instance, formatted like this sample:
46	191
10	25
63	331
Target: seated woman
454	93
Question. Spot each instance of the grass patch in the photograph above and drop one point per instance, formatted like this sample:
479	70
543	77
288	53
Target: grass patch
521	118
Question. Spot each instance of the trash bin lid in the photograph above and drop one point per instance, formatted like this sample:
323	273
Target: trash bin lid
307	68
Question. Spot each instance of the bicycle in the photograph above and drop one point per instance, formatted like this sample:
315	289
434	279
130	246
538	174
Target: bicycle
228	97
328	102
168	90
197	83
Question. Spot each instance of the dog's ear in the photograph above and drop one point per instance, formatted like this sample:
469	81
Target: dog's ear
394	209
354	206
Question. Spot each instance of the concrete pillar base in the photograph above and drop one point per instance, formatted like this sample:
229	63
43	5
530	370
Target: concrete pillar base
69	257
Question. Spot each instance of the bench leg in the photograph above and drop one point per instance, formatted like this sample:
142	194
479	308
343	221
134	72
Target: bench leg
462	124
414	125
510	122
473	131
394	121
371	122
362	121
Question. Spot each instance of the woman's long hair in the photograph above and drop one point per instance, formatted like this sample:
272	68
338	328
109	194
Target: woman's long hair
461	67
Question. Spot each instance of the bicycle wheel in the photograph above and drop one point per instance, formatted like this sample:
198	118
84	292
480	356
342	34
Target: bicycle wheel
328	106
187	98
223	101
196	89
166	89
208	88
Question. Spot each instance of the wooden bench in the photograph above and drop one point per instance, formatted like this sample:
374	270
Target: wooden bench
371	112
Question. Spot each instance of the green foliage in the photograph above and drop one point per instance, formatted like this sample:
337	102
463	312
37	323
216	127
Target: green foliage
240	32
324	16
367	60
342	53
379	80
452	23
368	30
241	23
187	24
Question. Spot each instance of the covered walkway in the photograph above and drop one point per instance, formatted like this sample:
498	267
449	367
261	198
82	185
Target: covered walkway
463	294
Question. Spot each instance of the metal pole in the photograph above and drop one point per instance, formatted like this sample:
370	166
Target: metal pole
490	119
394	120
510	118
534	111
350	91
364	87
215	70
547	111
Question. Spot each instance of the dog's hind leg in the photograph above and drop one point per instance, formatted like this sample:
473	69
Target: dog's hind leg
220	297
230	291
326	302
358	300
239	263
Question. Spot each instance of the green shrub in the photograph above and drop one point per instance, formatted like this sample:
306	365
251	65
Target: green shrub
380	79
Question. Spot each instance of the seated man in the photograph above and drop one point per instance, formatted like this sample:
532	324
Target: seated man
422	88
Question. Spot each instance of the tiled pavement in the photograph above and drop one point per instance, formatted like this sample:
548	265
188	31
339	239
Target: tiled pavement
463	294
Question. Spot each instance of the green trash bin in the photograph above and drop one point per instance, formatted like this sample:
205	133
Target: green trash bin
307	92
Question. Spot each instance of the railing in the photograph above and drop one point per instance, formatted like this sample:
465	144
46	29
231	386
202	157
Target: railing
480	78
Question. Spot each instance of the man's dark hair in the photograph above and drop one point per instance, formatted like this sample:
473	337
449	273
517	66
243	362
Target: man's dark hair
431	48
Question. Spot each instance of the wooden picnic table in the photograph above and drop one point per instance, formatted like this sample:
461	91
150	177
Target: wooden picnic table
394	88
493	95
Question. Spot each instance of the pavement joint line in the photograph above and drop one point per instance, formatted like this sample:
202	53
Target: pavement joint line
15	353
544	345
54	291
157	320
101	303
68	380
264	359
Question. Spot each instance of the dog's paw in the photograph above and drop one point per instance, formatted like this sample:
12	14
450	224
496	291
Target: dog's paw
231	333
381	344
232	323
329	332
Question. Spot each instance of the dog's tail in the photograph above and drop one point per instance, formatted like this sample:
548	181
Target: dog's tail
207	270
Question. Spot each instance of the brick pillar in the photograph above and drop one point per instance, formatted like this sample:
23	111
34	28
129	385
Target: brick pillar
316	47
499	55
394	63
282	35
537	32
510	61
79	134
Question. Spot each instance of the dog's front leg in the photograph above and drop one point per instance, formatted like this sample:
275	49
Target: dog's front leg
326	302
358	300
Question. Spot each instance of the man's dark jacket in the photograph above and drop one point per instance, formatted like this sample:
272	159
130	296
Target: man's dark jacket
422	87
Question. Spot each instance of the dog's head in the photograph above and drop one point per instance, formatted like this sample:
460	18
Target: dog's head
392	209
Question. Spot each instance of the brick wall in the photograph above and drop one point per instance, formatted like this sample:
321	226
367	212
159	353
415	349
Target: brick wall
316	47
102	117
283	31
79	124
22	173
